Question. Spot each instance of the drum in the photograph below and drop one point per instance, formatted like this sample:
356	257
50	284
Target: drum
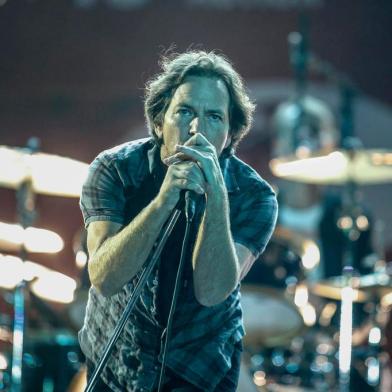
270	316
270	319
307	363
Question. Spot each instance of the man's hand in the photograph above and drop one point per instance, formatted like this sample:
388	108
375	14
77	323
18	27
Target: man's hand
183	175
198	159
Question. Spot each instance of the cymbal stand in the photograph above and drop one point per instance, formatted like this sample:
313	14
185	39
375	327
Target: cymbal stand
26	212
351	223
345	331
348	224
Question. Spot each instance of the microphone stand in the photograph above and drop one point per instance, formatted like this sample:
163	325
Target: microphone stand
190	210
156	251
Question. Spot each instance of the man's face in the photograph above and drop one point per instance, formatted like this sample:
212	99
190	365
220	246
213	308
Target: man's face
200	104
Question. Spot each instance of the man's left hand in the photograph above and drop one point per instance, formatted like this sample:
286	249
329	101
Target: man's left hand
201	151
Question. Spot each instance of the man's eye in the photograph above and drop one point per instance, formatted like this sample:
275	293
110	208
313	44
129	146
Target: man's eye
215	117
184	112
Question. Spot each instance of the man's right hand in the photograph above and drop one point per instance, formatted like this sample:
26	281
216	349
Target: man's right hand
183	175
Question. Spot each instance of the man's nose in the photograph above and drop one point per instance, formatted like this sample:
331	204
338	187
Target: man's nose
197	125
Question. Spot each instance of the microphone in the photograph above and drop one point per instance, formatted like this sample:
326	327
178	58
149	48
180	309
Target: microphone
187	203
190	205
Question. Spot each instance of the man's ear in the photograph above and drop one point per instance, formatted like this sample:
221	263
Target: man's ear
158	131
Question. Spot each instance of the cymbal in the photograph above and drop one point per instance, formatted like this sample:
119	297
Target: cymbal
45	283
328	290
13	237
376	281
339	167
364	286
49	174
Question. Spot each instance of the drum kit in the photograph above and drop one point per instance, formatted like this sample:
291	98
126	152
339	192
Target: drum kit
317	332
293	341
293	327
303	334
38	348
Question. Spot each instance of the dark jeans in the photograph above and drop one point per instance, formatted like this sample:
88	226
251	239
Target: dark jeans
175	383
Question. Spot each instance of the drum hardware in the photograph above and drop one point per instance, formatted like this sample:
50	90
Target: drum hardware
308	363
345	331
349	166
51	355
311	161
373	287
31	172
373	359
26	213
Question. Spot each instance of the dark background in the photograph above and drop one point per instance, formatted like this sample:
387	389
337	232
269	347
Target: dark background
73	76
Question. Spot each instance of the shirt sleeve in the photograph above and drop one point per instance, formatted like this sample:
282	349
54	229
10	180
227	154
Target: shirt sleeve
255	220
102	196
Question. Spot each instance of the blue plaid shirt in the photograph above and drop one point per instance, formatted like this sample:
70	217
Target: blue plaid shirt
121	182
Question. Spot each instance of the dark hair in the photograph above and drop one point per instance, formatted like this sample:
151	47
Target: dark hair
175	68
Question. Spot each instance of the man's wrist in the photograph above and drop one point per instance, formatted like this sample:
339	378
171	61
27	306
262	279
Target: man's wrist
218	199
164	203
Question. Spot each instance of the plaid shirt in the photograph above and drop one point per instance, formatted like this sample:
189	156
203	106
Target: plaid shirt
121	182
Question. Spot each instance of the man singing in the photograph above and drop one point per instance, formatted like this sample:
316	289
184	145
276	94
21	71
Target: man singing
197	111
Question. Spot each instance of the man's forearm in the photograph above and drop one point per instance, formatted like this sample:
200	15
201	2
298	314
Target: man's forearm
121	256
215	262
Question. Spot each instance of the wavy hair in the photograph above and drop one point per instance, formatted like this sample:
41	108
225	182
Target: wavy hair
176	68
